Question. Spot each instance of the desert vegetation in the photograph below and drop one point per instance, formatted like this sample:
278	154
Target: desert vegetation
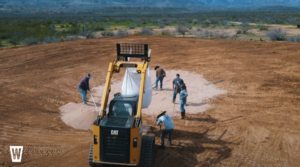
18	30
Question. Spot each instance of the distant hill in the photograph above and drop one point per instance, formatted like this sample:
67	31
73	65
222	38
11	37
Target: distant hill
250	3
144	10
33	6
278	9
23	6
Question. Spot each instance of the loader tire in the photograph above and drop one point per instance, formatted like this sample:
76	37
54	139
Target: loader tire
147	151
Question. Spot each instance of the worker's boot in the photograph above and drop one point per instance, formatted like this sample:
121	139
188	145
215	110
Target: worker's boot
182	117
183	114
162	147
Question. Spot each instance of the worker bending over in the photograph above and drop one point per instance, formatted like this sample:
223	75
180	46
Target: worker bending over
169	126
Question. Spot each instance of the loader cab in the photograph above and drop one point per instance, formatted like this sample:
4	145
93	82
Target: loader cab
115	136
123	106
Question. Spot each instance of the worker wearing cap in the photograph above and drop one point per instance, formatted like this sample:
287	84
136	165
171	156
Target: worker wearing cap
176	86
169	126
160	74
84	86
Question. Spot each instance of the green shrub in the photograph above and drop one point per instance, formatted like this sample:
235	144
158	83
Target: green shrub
70	38
239	31
107	34
194	22
214	34
146	31
277	34
294	39
131	26
263	28
122	33
99	28
73	30
166	32
13	41
189	26
51	40
103	26
5	35
91	35
182	29
206	23
161	25
30	41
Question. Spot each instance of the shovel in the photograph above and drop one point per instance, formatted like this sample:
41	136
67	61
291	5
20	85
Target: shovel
94	102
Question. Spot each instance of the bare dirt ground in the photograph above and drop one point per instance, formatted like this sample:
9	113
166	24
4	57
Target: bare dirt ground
255	124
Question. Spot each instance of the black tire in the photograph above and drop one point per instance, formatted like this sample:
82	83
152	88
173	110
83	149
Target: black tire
147	151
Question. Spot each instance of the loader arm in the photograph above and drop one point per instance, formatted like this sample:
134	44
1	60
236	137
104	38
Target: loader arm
143	69
115	67
107	88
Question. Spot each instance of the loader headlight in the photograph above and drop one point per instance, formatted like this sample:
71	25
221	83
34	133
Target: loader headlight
135	142
95	139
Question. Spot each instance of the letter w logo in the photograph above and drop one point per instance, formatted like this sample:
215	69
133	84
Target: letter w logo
16	153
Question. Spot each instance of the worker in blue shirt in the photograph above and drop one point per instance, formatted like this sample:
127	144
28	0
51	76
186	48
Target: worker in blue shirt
183	94
84	86
169	126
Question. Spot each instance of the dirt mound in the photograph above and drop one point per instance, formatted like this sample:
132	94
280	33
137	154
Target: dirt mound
79	116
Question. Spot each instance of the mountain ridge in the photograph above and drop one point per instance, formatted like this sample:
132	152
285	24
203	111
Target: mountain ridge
82	5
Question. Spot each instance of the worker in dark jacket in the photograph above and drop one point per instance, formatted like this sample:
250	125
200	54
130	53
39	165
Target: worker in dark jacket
160	74
176	86
84	87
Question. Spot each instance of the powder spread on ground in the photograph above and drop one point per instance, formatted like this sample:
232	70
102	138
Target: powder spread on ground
80	116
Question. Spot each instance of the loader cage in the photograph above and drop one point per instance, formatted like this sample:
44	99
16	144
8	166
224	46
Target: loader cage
136	50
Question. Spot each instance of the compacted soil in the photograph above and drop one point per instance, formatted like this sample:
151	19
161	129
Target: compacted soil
254	123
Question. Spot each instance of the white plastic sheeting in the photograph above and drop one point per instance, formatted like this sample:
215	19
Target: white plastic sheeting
132	82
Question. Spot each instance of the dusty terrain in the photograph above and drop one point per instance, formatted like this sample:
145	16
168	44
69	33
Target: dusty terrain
80	116
255	124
